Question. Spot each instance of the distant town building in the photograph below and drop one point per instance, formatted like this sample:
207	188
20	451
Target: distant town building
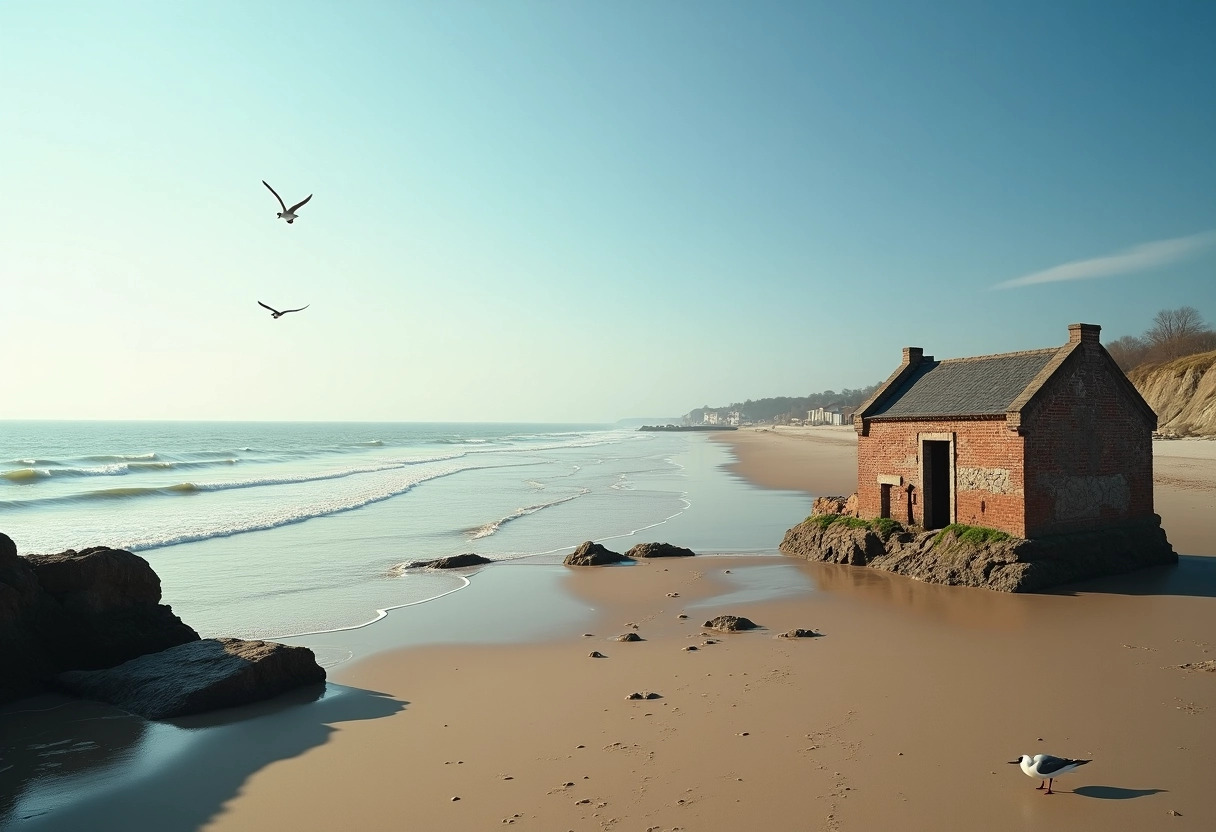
733	418
1033	443
710	417
825	416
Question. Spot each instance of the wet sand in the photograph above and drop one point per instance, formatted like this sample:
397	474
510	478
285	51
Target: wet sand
901	715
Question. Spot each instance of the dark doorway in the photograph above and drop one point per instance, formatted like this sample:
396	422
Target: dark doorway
884	500
937	485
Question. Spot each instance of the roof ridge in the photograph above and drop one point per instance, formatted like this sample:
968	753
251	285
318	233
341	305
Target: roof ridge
1019	353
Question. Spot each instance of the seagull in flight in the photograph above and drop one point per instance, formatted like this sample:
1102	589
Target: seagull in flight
1046	767
274	313
288	214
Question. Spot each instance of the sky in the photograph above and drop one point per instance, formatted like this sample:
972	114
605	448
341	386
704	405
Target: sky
578	211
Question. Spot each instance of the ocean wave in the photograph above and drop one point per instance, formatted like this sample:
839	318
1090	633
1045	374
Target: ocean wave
21	475
118	457
287	517
491	528
27	475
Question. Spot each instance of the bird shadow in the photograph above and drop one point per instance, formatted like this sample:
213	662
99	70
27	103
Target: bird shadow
1114	792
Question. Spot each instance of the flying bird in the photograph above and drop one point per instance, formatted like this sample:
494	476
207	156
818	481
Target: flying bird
288	214
274	313
1046	767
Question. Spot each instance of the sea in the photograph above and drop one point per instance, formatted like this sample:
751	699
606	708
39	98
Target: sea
277	530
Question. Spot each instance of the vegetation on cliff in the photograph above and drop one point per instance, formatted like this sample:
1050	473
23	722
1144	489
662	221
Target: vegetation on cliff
1175	333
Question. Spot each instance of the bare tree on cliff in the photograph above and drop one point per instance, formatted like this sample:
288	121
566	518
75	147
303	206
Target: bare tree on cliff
1175	333
1128	351
1179	332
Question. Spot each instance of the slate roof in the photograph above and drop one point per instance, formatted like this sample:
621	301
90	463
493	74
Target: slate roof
982	386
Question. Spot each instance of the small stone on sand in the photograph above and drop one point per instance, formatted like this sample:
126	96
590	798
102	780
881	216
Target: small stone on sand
798	633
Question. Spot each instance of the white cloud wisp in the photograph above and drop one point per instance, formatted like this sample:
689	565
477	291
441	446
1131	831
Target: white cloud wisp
1135	259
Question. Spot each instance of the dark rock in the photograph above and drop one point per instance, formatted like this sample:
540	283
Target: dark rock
452	562
592	554
690	648
629	637
659	550
109	608
23	609
89	609
799	633
730	623
650	695
595	654
199	676
1009	565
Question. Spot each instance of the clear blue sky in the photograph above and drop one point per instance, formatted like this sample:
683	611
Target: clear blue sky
581	211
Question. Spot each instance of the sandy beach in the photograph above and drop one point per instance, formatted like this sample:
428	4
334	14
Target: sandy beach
902	714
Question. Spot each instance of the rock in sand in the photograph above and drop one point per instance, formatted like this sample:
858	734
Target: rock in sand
593	554
730	623
198	676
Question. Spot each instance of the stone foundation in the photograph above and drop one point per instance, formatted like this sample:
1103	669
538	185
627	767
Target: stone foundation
1010	565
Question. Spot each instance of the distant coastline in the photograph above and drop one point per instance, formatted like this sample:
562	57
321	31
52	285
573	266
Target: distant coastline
687	427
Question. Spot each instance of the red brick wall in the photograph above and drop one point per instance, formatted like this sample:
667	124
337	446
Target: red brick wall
1089	454
892	448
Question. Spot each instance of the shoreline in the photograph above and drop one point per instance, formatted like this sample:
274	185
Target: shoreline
489	695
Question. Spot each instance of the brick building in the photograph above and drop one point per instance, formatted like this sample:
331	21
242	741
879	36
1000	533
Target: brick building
1032	443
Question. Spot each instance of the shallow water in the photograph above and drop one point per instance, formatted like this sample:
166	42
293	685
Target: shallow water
268	530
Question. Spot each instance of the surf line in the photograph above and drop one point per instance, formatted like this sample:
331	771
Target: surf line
379	614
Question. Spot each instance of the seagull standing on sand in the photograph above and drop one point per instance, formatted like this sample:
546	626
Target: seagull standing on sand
274	313
1046	767
288	214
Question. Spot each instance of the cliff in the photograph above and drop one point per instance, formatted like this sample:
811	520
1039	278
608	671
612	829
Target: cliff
1182	392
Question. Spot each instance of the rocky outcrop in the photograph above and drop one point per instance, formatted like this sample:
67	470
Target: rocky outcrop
452	562
109	608
835	505
593	554
1002	563
92	623
77	610
659	550
199	676
1182	393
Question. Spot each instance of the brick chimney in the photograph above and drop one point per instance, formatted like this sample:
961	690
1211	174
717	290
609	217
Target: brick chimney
1083	332
913	355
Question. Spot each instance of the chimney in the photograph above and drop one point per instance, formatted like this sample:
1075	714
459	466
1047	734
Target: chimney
913	355
1078	333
